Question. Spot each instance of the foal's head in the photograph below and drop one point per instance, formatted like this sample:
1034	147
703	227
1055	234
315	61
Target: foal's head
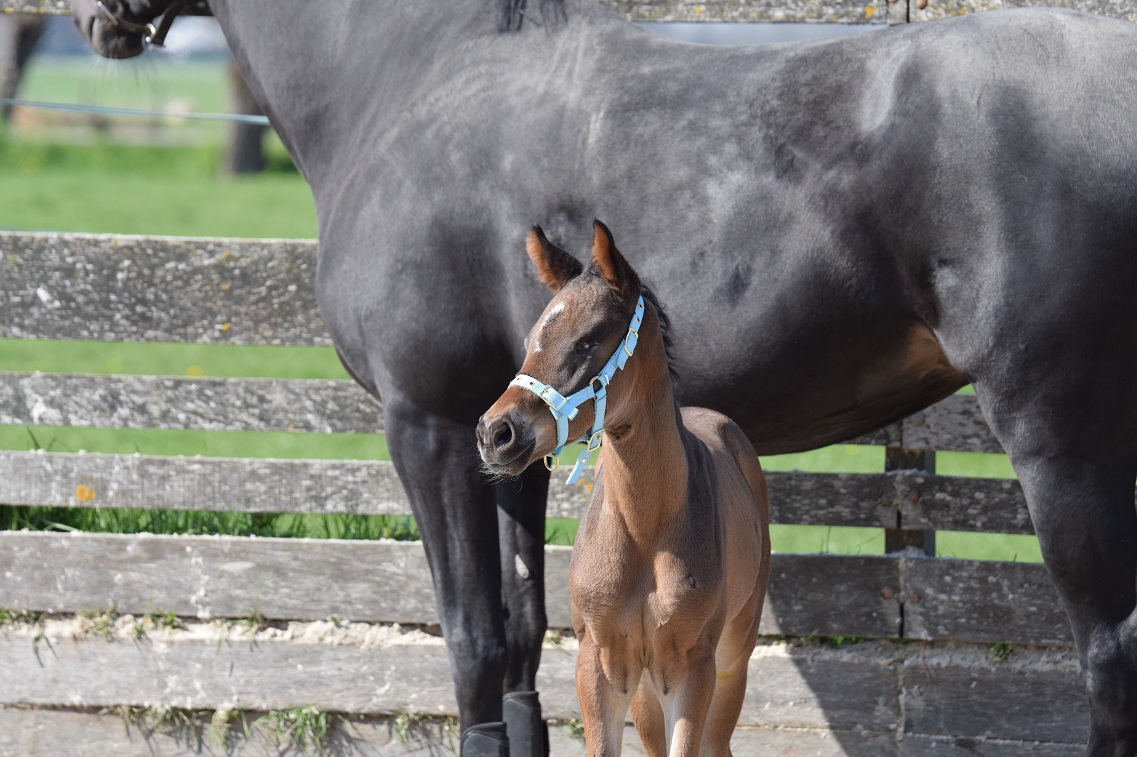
581	328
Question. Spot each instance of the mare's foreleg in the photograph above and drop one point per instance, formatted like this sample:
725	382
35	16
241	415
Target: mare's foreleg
455	510
521	530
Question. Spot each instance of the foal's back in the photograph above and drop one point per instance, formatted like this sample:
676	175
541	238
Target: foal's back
740	498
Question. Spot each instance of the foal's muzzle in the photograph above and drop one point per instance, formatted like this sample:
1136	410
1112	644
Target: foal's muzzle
505	442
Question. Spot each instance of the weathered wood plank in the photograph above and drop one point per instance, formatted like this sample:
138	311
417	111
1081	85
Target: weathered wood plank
949	503
1123	9
954	423
53	7
1036	694
36	732
365	669
358	487
311	579
371	487
166	289
830	11
217	577
964	746
227	404
833	595
844	499
236	404
799	11
207	404
982	601
362	487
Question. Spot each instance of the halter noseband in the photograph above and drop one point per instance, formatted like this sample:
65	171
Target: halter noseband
151	34
564	409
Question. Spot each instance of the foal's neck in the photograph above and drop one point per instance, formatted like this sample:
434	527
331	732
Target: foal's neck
644	458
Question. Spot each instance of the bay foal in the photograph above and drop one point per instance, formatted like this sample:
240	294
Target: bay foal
672	558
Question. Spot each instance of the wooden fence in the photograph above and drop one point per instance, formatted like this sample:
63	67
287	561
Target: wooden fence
949	657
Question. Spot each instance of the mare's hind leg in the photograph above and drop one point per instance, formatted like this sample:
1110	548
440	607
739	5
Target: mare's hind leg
439	466
521	530
1076	456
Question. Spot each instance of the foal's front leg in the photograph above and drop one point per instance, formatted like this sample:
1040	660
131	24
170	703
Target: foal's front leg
604	687
685	709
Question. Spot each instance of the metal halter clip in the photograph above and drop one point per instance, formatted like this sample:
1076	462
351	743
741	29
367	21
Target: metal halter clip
556	462
595	440
632	339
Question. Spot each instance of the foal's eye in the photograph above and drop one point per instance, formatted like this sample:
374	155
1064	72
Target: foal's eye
585	345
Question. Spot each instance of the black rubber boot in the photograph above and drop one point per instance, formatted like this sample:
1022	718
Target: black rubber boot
528	732
485	740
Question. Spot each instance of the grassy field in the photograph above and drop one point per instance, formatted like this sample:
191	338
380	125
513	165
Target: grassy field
139	176
161	178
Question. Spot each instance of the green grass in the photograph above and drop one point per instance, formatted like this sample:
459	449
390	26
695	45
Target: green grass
146	82
66	172
138	191
216	360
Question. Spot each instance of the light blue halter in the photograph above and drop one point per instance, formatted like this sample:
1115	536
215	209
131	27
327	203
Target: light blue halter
564	409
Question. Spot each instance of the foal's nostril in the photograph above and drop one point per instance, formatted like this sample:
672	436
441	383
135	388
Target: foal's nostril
503	434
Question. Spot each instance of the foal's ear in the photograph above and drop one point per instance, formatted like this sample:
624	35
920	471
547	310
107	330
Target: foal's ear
610	264
554	266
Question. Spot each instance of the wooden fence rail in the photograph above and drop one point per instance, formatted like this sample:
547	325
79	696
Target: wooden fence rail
173	290
920	678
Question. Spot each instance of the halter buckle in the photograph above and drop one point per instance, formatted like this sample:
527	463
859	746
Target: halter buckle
633	341
545	396
596	440
554	465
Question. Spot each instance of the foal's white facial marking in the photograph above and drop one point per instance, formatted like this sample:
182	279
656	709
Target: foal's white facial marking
556	310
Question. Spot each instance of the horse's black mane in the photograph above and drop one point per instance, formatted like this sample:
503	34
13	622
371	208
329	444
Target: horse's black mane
512	14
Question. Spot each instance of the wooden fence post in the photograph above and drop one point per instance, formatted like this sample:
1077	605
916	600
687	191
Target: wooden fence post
904	459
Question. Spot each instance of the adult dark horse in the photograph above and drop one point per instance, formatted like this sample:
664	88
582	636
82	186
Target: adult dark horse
845	232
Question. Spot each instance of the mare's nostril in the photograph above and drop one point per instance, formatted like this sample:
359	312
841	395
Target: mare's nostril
503	434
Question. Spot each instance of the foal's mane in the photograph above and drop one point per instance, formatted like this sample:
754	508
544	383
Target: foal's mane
665	330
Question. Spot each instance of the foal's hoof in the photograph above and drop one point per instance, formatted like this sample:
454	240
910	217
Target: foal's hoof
485	740
528	732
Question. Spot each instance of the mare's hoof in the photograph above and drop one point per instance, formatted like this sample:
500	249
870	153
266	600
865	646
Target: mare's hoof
528	732
485	740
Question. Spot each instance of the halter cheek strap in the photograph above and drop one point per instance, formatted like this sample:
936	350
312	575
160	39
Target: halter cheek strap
564	409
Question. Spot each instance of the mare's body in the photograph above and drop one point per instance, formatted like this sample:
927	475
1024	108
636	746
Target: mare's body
846	231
